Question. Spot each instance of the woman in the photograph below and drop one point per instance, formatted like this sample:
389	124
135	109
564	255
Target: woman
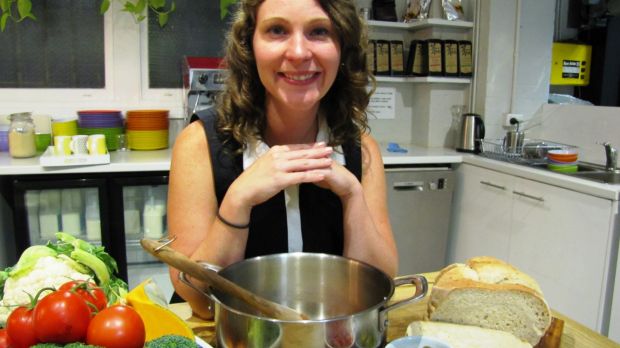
285	162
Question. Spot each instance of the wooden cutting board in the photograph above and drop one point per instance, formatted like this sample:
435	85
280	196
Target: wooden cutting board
400	318
552	337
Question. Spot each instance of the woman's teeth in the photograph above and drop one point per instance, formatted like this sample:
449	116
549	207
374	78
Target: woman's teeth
299	77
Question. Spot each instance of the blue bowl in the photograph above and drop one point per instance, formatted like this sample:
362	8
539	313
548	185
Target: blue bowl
417	342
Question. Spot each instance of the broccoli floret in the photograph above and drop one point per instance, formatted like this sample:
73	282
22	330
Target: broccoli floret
46	345
171	341
80	345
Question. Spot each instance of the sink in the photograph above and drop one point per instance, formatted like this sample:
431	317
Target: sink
581	168
605	177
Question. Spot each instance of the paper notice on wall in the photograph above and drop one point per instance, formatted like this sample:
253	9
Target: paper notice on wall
382	103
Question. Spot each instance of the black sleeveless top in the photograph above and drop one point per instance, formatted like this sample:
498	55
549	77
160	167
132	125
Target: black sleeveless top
320	209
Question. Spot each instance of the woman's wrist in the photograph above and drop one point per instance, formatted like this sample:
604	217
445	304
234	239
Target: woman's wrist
233	212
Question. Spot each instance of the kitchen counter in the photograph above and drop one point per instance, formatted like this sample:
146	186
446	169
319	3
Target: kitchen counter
574	334
159	160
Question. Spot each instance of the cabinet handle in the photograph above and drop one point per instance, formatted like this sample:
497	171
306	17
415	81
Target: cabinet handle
493	185
409	186
536	198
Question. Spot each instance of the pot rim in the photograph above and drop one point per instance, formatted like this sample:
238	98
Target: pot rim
379	306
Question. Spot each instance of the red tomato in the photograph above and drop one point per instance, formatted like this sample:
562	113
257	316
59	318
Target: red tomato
90	292
5	340
20	328
61	317
118	326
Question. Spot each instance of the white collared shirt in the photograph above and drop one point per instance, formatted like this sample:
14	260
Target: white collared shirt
291	193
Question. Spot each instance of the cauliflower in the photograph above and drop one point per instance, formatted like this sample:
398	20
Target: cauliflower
49	271
54	264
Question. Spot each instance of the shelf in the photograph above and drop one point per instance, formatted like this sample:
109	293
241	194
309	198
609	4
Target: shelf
421	24
424	79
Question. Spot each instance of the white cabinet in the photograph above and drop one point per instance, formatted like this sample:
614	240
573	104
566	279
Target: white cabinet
614	321
563	238
482	215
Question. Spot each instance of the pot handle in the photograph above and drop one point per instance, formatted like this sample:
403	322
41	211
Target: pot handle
421	288
207	292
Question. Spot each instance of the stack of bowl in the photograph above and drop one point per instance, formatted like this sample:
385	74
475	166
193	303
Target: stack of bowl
106	122
147	129
564	161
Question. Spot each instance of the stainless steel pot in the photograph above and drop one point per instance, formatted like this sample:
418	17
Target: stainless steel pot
346	301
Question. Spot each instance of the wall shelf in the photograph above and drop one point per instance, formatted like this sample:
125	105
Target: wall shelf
421	24
423	79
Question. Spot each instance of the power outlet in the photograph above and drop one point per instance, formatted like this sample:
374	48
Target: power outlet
518	117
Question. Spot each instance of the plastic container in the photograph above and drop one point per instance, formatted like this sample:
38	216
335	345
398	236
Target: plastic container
4	137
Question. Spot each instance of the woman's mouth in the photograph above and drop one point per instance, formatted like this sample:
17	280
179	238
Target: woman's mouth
300	78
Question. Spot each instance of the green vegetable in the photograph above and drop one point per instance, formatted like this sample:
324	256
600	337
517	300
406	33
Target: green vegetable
77	258
171	341
96	259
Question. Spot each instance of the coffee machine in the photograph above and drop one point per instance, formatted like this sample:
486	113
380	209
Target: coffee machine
203	78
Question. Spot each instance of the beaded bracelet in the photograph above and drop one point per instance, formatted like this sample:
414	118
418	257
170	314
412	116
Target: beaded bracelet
230	224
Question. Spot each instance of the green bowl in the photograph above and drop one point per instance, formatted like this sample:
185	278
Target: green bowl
42	141
571	168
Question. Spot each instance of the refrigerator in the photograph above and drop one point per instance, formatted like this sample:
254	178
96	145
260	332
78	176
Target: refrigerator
115	210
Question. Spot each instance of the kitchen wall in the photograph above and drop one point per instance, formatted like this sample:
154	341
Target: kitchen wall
580	125
514	57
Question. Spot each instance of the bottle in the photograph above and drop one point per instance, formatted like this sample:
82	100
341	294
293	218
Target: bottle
49	209
21	136
71	215
131	213
152	216
93	220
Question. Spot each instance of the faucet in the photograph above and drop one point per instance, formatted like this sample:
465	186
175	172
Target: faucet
611	155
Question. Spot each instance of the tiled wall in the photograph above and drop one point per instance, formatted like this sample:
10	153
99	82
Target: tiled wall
580	125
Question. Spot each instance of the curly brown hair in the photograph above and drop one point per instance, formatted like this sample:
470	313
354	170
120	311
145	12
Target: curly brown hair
240	107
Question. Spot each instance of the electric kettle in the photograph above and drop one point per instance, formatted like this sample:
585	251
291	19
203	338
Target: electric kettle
471	134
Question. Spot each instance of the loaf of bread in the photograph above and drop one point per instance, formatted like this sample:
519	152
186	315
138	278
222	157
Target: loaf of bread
465	336
492	294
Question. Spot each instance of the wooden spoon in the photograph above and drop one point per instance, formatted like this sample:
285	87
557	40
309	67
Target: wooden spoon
181	262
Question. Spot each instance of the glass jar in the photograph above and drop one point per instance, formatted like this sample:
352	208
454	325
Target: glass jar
21	135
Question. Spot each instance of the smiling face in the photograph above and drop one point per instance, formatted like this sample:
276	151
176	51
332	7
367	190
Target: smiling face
297	52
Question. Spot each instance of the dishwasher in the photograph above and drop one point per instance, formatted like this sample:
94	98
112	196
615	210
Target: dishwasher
420	203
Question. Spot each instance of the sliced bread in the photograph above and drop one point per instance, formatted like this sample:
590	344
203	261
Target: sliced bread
490	293
465	336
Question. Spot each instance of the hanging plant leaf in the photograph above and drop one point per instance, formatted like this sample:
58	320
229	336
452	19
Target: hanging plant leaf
157	3
3	19
224	6
163	19
4	5
105	5
23	8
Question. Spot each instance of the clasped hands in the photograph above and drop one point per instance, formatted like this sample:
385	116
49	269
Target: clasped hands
286	165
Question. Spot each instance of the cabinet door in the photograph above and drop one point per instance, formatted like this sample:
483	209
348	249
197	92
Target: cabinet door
481	219
561	238
614	320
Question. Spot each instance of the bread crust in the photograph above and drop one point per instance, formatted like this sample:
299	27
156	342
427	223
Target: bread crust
488	275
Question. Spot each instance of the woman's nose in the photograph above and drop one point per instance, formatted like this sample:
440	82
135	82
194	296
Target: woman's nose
298	48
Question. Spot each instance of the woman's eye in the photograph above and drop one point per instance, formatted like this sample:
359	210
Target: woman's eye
320	32
276	30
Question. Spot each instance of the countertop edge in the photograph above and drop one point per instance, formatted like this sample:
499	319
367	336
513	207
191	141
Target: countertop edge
159	160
